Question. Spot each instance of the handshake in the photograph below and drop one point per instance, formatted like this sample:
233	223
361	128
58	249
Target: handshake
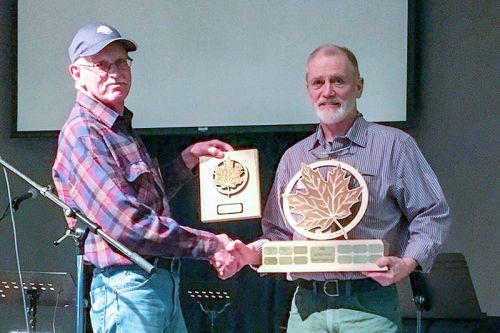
232	255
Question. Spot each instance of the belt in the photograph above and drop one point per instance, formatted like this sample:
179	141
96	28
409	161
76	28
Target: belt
169	264
340	287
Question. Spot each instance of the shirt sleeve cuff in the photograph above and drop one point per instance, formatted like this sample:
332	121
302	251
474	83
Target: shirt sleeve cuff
423	256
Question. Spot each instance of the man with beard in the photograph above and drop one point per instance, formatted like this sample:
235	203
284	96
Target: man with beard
406	206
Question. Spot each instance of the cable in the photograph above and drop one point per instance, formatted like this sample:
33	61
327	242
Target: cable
55	310
18	261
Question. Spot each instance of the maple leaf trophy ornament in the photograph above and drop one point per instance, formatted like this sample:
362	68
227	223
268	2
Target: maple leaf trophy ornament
230	177
325	206
322	209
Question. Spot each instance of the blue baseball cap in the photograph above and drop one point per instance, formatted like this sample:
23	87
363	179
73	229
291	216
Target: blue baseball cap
93	37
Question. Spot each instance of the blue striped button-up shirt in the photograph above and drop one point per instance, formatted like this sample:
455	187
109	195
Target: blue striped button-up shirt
406	205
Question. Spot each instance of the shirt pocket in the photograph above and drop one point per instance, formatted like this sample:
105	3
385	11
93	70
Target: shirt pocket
134	170
370	174
138	180
378	188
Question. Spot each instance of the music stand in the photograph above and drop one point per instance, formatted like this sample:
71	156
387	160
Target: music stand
212	297
447	292
41	288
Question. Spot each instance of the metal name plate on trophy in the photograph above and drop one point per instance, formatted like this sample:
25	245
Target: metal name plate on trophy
229	187
322	206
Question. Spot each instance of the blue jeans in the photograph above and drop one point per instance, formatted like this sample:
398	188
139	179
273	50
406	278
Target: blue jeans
128	299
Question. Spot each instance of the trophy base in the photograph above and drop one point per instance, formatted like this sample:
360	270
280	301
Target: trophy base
322	256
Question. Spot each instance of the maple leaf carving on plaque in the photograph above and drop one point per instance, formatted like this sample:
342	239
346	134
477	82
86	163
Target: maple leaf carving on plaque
229	177
323	202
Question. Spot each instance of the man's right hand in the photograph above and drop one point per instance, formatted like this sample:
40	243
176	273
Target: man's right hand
242	255
222	257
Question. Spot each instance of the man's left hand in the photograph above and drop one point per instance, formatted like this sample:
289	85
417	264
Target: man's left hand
398	269
214	148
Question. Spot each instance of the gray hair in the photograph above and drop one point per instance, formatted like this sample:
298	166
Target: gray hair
78	86
331	50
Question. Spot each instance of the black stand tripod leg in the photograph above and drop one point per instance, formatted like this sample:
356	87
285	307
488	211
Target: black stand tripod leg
80	297
79	234
81	304
33	294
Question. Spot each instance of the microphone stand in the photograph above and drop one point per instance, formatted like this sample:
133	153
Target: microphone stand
420	296
79	234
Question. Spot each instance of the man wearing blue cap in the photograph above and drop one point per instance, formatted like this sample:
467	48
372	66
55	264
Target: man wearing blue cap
103	169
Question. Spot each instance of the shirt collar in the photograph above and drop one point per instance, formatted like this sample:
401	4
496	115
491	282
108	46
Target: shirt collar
104	114
357	134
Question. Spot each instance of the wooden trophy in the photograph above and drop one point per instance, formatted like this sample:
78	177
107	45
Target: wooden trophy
230	187
322	209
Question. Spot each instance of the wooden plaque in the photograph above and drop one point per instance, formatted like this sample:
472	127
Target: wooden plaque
230	187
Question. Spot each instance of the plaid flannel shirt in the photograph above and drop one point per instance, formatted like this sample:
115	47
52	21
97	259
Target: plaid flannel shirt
103	169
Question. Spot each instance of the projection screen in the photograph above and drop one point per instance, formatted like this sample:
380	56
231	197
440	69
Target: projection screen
218	64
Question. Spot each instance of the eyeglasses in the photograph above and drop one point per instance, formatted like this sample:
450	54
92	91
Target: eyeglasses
334	153
103	67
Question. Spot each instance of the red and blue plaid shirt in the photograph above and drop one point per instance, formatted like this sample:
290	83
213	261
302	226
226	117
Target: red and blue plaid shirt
103	169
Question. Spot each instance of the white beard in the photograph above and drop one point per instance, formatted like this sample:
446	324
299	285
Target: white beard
331	117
